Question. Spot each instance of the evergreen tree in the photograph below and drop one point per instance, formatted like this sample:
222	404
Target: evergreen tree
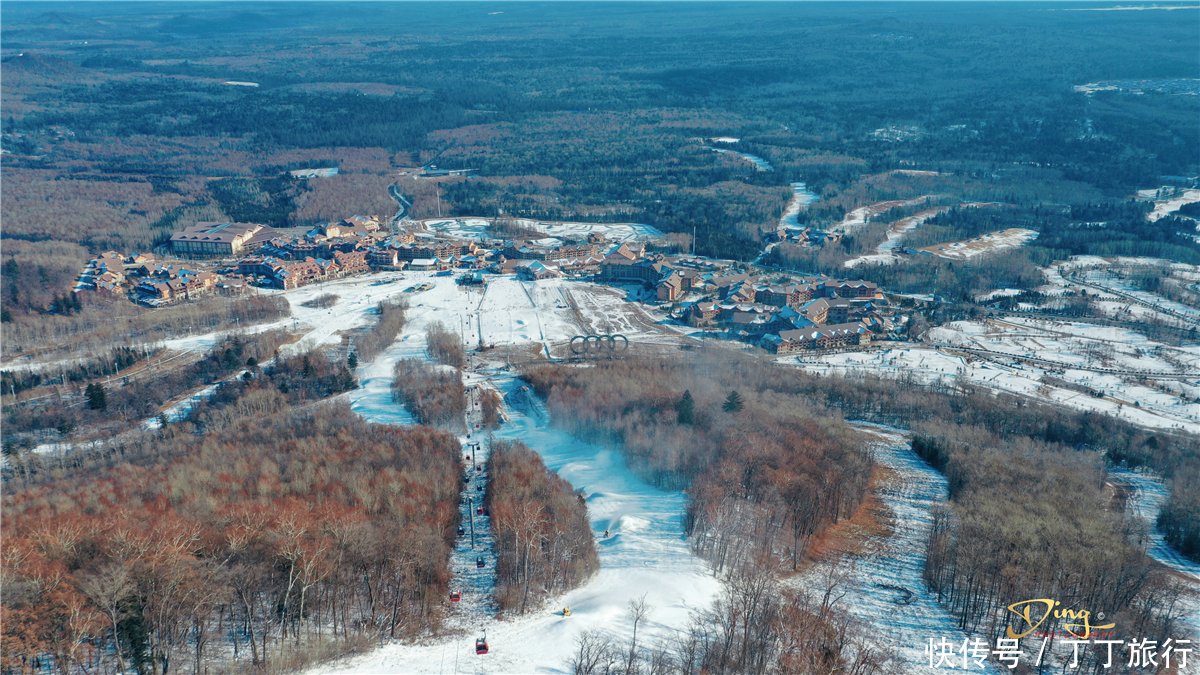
685	408
733	402
97	398
353	360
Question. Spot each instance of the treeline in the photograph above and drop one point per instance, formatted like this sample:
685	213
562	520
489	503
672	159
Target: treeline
278	541
544	541
106	321
767	471
1180	516
14	382
1016	419
373	341
310	376
445	346
756	626
432	395
1047	530
139	397
1101	228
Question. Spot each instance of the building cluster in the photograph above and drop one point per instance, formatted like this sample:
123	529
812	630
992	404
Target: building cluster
804	236
358	244
811	313
148	282
807	313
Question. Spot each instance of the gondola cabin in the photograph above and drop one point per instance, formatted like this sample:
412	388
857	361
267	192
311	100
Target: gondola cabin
455	596
479	562
462	531
481	646
479	510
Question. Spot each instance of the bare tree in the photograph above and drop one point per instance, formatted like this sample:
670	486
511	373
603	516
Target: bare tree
638	610
108	587
593	652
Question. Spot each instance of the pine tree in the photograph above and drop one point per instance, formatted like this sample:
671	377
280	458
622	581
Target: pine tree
353	360
685	408
733	402
97	398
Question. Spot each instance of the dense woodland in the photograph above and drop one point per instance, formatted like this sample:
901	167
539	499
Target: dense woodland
432	395
544	541
103	320
1051	528
116	121
380	335
128	401
767	471
278	540
1072	542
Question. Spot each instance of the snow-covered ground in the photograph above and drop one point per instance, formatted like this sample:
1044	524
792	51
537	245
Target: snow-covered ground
1102	278
984	243
1078	347
647	553
758	162
802	198
863	214
1149	493
888	593
883	253
477	228
1164	207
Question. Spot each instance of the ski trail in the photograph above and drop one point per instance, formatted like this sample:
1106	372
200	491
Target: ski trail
1149	493
646	554
890	597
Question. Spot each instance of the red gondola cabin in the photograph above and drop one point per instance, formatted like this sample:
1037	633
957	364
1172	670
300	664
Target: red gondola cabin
455	596
481	646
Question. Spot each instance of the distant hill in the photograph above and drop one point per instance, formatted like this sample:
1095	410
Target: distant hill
187	24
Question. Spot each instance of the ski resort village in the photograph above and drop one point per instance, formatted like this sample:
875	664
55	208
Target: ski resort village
484	303
579	338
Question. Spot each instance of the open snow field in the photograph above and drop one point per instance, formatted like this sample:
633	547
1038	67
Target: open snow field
477	228
1163	207
1081	352
883	253
859	217
984	243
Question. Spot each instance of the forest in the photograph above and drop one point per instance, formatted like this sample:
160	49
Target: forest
282	538
544	542
127	402
574	113
1050	528
765	472
432	395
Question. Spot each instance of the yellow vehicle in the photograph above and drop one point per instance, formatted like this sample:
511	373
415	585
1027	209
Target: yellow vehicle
566	611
